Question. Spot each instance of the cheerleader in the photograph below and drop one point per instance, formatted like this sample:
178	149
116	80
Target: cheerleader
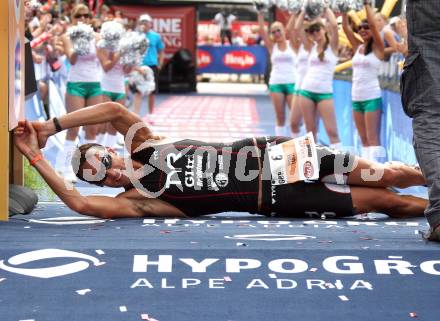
366	92
283	59
83	87
316	91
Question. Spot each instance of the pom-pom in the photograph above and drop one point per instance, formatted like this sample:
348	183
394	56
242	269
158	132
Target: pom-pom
314	8
262	5
111	34
282	4
35	4
295	5
133	46
345	6
143	82
81	35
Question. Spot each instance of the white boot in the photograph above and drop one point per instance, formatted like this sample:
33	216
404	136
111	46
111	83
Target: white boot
377	154
280	130
337	146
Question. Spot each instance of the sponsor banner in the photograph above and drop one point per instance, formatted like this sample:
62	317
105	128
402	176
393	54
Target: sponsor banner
232	59
175	24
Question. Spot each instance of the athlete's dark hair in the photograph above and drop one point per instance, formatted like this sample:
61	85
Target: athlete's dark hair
79	158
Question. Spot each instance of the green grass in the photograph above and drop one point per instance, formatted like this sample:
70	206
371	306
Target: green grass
34	181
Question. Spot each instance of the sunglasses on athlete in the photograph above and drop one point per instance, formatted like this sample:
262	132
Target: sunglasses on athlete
106	161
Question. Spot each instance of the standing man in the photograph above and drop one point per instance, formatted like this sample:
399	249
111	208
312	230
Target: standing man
153	58
224	20
420	87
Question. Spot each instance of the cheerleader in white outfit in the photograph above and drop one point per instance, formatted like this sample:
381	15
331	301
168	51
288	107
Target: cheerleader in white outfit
283	76
316	92
366	92
83	89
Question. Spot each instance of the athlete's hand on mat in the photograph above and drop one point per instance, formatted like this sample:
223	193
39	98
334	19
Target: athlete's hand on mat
25	138
44	131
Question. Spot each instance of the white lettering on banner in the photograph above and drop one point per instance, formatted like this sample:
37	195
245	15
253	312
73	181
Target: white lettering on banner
257	283
361	284
298	266
285	223
190	283
197	267
330	264
428	267
170	25
164	263
385	266
286	284
216	283
236	265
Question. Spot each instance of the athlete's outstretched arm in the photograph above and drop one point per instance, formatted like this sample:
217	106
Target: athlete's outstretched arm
25	138
120	118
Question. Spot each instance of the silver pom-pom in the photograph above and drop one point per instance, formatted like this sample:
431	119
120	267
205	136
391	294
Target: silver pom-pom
262	5
111	34
35	4
282	4
357	5
144	82
314	8
295	5
81	35
133	46
344	6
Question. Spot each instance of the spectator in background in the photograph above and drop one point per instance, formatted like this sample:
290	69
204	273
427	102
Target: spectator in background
237	40
153	58
224	20
391	39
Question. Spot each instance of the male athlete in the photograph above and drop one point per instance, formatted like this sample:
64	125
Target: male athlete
186	178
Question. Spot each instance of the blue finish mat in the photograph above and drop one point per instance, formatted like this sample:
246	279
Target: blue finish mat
57	265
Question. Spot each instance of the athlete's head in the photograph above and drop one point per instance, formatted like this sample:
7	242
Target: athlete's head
80	13
277	32
100	166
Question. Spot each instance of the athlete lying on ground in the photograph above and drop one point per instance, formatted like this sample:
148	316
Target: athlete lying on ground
187	178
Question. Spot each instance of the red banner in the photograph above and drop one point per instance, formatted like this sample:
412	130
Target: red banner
176	25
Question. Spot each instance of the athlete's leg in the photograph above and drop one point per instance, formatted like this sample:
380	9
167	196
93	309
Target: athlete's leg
327	112
359	120
373	174
92	130
278	102
309	113
382	200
